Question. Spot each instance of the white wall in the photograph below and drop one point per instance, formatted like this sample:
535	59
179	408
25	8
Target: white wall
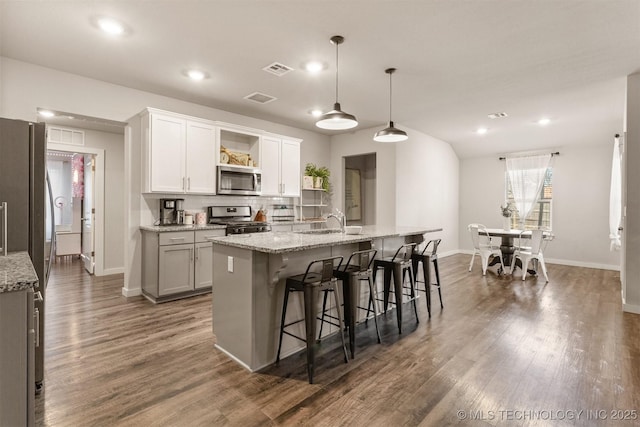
361	142
580	217
427	186
417	181
113	146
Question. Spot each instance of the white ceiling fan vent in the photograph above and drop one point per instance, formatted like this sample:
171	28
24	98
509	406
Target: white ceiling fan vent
260	98
497	115
278	69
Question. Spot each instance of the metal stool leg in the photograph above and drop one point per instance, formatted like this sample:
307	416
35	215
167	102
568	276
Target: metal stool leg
324	309
340	320
435	266
372	299
310	326
284	314
412	283
426	272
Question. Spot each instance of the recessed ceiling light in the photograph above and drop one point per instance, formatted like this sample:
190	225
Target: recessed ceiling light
314	66
482	131
196	75
497	115
111	26
543	122
315	112
46	113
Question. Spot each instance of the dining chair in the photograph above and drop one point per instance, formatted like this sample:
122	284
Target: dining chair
532	251
483	246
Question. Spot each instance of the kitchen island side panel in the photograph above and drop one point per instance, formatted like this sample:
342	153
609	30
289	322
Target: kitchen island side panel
232	302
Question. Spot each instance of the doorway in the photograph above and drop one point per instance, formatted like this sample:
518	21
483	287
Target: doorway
360	189
72	177
94	139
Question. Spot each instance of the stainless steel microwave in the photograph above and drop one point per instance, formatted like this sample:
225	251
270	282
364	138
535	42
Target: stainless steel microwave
241	181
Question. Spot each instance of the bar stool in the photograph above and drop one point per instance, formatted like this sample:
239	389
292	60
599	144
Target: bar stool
350	275
426	257
398	266
310	283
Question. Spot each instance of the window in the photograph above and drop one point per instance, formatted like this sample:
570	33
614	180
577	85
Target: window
540	216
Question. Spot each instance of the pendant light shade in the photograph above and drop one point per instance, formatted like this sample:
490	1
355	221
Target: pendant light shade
390	133
337	119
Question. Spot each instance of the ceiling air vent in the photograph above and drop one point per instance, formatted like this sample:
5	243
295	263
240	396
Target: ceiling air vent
278	69
497	115
260	98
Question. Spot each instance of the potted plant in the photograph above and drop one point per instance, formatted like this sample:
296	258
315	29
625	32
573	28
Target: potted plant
307	179
320	176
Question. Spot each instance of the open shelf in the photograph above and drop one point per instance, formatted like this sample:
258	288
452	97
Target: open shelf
313	201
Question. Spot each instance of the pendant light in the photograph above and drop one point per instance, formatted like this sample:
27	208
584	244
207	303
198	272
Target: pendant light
337	119
390	133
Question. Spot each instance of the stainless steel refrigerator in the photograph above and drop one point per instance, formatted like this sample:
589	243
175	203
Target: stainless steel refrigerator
22	195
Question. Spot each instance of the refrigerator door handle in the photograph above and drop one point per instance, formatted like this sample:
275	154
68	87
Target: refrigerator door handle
53	232
3	229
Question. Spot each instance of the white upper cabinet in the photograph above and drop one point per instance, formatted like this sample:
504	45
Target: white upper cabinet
166	152
280	167
178	154
200	158
290	168
270	166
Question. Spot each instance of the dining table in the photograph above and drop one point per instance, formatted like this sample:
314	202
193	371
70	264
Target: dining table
507	246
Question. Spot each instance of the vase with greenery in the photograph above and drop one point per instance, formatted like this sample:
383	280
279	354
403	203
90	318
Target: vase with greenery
320	174
507	212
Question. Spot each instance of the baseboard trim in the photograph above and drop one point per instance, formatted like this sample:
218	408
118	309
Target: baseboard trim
110	271
553	261
238	361
630	308
131	292
582	264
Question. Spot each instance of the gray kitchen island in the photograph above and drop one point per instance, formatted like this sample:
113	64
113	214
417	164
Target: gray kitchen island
248	283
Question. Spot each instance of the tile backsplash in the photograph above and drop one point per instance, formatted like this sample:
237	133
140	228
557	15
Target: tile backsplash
195	203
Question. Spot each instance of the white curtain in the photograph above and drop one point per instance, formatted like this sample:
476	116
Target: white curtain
526	175
615	198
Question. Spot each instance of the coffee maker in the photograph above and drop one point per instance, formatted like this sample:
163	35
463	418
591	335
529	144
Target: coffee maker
171	211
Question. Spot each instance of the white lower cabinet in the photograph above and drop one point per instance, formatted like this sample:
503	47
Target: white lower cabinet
177	264
176	269
203	268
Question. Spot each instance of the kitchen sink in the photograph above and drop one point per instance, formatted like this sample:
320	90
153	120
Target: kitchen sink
320	231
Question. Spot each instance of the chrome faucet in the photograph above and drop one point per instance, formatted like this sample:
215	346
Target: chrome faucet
340	217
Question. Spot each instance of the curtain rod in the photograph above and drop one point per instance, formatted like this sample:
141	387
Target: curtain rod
557	153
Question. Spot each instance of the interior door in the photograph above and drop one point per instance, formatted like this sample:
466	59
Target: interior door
88	214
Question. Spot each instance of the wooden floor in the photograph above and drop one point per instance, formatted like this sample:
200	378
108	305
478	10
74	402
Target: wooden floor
499	346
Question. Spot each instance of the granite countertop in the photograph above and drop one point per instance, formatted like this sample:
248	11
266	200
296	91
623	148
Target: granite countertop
292	241
16	272
298	222
163	228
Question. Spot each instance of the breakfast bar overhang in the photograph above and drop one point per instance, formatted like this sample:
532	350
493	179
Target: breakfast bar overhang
248	271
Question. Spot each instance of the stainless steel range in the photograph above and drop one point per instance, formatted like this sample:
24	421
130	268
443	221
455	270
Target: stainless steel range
236	218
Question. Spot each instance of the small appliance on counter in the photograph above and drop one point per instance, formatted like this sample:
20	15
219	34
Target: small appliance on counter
171	211
237	219
282	213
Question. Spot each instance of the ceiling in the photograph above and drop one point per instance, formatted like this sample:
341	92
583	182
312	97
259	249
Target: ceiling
457	61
